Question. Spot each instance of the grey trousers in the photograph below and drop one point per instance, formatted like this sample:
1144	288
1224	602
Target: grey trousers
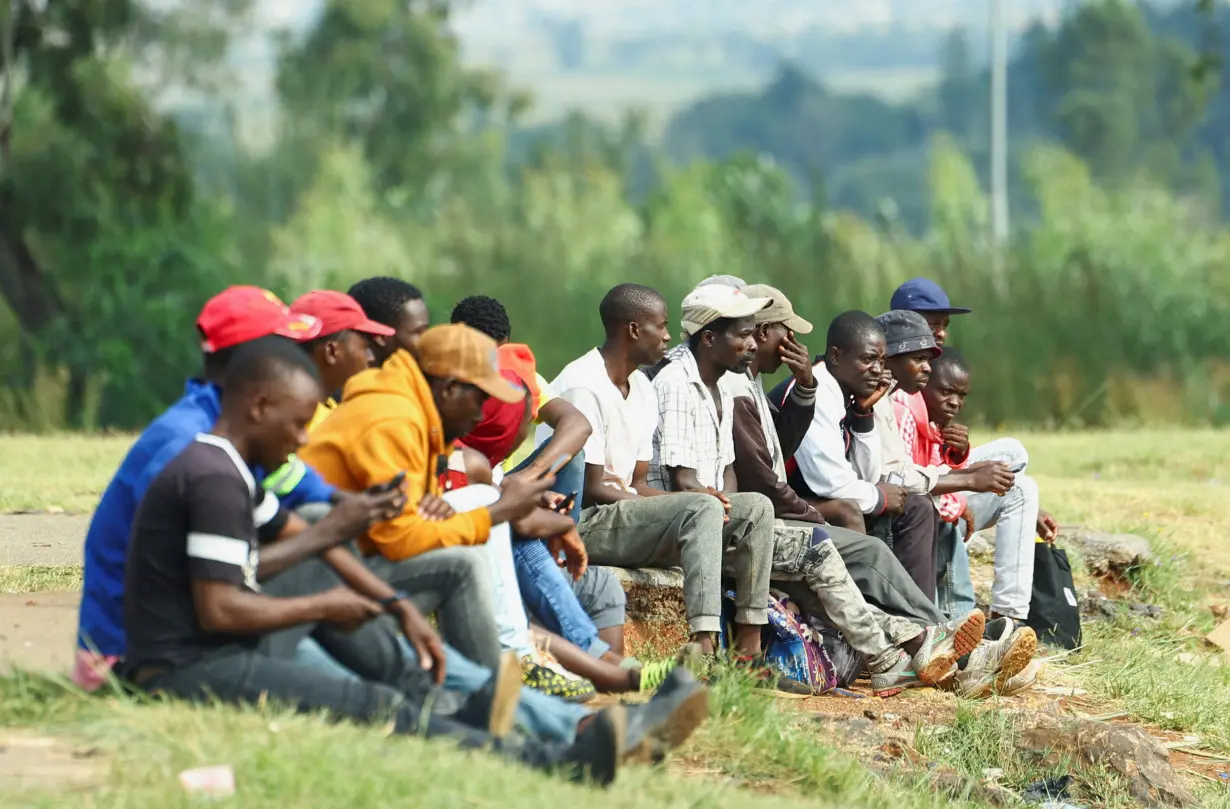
453	583
881	578
687	530
803	554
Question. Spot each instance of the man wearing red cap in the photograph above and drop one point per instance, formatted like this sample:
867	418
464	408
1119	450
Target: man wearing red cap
236	316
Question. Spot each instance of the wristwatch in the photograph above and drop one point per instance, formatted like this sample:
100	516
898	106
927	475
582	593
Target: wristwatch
398	595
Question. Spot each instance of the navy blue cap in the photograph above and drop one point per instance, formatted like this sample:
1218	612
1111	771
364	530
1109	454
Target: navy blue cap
924	295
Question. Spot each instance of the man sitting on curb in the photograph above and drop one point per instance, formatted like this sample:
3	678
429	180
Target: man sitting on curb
928	299
1008	669
569	607
899	653
840	458
196	560
627	522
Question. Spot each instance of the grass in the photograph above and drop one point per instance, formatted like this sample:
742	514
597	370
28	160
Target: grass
39	578
58	472
1165	485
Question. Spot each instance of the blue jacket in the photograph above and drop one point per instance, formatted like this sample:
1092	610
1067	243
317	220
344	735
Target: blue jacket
100	623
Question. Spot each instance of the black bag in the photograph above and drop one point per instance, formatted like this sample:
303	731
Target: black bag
1054	612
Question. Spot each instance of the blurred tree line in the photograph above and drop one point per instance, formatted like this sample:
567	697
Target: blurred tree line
118	220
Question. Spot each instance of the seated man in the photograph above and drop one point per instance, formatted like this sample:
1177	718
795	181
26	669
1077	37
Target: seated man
922	428
228	320
404	418
911	350
678	351
571	608
197	630
839	458
339	353
899	653
928	299
628	523
394	303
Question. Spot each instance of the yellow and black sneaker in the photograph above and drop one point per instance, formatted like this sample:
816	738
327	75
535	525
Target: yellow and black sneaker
540	678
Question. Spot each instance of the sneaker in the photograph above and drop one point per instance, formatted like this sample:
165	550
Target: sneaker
598	750
896	679
1024	680
1018	654
540	678
943	644
664	723
996	660
494	705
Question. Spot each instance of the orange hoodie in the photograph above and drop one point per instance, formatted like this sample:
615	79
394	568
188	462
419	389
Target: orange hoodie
387	422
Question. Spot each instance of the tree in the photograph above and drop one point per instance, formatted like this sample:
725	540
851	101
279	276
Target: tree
386	74
95	191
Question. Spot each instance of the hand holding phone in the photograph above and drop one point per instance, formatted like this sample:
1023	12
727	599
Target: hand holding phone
393	484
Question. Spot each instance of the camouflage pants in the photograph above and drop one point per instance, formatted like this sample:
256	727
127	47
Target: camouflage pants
803	554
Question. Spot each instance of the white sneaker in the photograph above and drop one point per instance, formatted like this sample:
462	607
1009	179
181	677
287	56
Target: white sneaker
1023	680
994	661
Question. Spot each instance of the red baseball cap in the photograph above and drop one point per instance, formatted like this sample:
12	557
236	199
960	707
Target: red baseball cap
337	311
243	313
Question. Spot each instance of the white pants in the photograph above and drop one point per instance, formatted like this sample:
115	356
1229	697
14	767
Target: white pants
510	616
1015	517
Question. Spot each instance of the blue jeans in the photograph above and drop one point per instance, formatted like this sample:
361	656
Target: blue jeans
539	715
954	592
546	590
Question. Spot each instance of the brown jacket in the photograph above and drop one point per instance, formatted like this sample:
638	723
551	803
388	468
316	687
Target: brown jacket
754	465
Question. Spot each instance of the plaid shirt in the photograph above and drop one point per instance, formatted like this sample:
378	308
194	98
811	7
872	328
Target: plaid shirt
690	435
927	449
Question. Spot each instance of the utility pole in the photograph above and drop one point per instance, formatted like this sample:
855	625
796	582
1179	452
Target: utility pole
999	135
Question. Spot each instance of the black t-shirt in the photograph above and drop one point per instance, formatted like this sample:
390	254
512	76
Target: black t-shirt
198	521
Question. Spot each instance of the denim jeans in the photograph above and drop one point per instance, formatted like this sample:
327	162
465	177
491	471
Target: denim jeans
538	715
1015	517
954	593
547	590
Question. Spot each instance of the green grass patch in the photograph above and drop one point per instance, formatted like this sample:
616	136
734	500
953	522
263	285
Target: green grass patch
281	759
39	578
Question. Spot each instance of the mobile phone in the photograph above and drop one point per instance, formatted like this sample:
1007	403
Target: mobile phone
565	505
896	479
559	464
395	483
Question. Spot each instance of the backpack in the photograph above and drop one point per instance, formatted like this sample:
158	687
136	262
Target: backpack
791	648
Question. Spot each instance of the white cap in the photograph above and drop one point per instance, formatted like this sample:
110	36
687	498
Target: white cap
706	304
723	280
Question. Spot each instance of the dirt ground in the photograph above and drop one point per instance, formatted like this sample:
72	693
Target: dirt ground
37	629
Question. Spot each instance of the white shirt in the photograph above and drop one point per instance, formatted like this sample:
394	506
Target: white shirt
690	433
830	469
623	428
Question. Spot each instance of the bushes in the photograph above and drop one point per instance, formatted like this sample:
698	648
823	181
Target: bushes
1109	309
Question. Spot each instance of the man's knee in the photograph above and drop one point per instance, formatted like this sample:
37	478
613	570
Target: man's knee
844	514
701	508
602	597
1017	452
1026	489
751	506
313	513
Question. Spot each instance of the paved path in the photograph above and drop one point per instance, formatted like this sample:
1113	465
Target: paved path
42	539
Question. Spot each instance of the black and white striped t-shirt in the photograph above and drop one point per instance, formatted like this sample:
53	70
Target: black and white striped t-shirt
200	519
